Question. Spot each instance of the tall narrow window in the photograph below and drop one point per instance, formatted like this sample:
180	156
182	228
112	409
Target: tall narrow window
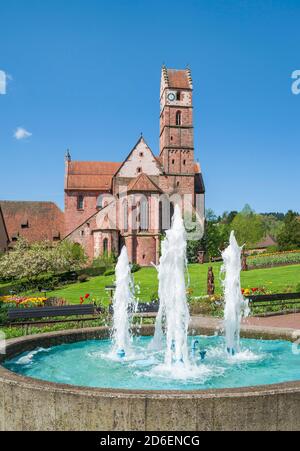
105	246
144	216
178	118
164	213
125	215
178	95
80	202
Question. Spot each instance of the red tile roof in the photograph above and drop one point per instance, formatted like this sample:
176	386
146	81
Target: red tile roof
91	175
143	183
178	79
40	220
267	241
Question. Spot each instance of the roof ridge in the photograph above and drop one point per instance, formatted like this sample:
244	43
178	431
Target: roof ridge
131	186
88	219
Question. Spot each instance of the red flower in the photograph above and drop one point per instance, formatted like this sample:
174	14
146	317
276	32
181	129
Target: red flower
81	300
87	296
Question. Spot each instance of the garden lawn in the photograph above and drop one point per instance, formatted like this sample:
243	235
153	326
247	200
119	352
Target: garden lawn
278	279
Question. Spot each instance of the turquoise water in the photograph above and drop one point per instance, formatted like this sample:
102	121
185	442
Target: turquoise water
89	363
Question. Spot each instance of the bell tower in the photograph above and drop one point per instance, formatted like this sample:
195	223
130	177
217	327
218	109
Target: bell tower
176	121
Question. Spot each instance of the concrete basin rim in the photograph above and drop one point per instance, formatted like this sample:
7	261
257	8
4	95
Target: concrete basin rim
77	335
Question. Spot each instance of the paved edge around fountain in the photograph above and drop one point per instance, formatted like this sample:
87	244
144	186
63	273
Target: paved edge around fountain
30	404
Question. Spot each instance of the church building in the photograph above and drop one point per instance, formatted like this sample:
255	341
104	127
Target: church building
109	204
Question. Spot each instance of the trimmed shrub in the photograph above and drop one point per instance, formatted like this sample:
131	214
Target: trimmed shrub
109	272
135	267
83	278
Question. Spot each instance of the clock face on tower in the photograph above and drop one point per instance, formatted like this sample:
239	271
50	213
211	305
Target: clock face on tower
171	96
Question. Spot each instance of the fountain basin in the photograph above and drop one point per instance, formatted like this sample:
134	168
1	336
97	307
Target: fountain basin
31	404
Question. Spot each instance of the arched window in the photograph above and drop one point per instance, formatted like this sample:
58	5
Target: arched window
164	213
178	118
105	246
171	212
125	215
102	202
144	215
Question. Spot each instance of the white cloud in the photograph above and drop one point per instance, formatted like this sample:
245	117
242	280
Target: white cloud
22	133
3	78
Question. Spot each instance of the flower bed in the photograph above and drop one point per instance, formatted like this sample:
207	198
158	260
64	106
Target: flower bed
17	301
274	259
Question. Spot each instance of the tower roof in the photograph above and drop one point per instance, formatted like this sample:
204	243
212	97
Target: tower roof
178	78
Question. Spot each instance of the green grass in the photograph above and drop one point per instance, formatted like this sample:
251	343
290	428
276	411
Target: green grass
276	279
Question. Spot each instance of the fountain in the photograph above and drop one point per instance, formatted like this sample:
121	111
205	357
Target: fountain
144	383
173	312
124	305
235	305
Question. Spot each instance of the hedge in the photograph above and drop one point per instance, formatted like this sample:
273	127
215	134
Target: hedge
49	281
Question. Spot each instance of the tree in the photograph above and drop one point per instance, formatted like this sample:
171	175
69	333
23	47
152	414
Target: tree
248	227
215	236
272	225
228	217
289	237
31	260
71	256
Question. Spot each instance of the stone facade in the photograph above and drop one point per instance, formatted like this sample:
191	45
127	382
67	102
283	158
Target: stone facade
111	204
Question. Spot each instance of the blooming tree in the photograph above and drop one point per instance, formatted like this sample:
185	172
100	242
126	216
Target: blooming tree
31	260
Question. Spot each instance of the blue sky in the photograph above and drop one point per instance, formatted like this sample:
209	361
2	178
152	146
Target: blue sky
85	75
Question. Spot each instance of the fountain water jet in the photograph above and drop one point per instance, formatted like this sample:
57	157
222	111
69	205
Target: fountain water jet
235	305
124	305
173	309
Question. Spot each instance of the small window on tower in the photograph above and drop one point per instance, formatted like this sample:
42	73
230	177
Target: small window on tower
171	138
141	154
178	118
173	161
184	162
178	97
139	170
